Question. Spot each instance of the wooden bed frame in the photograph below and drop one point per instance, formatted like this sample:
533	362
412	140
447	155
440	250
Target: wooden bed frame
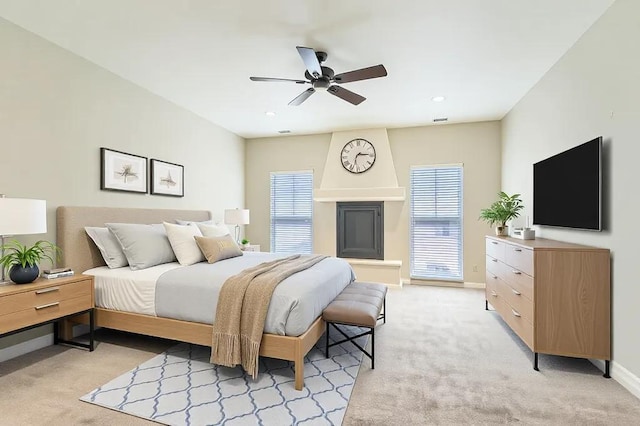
80	253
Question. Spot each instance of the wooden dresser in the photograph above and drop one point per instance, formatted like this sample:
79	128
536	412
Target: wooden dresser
44	301
556	296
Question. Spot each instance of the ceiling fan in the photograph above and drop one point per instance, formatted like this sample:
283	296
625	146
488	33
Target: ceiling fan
323	78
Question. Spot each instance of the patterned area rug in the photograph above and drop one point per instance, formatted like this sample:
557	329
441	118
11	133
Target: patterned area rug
181	387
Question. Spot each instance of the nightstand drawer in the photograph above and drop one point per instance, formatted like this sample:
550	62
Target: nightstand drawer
54	293
43	312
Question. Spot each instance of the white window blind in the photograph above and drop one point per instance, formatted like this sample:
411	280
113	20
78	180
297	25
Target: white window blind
292	212
436	222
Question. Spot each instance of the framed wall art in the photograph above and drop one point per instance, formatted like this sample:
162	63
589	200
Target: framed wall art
167	178
120	171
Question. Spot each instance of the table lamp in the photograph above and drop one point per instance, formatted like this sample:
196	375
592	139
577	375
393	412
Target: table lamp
236	217
21	216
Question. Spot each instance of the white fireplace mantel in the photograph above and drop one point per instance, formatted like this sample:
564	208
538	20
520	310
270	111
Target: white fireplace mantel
359	194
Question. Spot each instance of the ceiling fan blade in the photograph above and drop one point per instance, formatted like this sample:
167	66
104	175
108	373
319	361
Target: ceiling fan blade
277	79
302	96
310	61
345	94
361	74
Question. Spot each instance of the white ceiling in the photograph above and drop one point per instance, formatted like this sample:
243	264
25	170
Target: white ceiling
482	55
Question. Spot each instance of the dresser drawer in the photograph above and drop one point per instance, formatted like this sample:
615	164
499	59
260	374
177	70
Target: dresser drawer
491	286
55	293
44	312
516	279
522	327
520	258
492	265
518	302
495	249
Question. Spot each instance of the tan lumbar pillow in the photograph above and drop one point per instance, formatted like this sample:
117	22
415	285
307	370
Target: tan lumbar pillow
218	248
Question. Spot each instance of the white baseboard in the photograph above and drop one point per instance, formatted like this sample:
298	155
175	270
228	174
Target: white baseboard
626	378
26	347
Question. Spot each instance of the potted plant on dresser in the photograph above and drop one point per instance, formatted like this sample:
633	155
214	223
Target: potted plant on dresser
22	261
507	207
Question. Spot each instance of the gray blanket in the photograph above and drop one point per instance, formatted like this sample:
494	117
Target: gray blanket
190	293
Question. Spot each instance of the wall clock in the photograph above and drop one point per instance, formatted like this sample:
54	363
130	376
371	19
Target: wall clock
358	155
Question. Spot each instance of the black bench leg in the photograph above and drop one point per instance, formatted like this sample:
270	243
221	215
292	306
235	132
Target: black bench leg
327	346
384	309
373	347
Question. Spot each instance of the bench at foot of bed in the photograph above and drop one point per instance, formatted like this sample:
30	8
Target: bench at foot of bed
360	304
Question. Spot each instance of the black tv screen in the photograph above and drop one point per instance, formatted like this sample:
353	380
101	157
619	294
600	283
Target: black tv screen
567	188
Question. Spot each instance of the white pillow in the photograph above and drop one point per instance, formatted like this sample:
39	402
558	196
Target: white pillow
189	222
213	230
108	245
144	245
183	242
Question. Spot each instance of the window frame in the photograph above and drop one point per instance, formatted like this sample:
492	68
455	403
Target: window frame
416	274
272	240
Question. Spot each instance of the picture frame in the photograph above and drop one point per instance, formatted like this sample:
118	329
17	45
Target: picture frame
121	171
167	178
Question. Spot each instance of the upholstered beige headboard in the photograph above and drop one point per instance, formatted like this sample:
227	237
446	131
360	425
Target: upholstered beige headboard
79	252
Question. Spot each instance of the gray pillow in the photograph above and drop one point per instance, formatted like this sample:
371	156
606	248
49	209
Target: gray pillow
108	245
189	222
143	245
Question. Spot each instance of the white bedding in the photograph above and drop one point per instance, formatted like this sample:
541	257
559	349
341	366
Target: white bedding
122	289
295	304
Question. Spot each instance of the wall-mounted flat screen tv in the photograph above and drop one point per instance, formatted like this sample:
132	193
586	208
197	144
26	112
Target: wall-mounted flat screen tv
567	188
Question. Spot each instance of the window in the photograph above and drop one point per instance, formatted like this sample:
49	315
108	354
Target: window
292	212
436	222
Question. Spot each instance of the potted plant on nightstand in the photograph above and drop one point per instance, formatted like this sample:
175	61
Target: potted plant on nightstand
22	261
507	207
245	243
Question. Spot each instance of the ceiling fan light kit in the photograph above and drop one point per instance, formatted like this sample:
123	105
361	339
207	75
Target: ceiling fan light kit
324	78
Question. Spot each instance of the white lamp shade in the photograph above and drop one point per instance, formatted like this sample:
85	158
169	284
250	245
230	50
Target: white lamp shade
236	216
20	216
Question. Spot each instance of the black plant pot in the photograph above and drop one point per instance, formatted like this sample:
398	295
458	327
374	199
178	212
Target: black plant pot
20	275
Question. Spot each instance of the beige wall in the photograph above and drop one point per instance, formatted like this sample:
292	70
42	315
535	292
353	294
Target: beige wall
476	145
57	110
592	91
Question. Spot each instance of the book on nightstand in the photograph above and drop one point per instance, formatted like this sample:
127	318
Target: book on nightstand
61	272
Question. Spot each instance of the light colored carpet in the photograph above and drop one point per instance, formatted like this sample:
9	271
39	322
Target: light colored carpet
440	359
181	387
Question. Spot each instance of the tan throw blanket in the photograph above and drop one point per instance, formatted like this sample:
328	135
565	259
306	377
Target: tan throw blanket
242	310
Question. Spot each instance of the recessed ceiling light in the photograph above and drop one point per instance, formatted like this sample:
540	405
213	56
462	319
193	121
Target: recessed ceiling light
270	113
438	98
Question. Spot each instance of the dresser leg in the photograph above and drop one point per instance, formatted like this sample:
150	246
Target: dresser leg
486	305
607	367
535	361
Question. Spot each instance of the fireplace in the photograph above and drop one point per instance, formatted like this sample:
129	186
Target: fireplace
360	229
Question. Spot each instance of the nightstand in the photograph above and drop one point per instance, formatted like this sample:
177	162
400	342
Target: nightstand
26	306
251	247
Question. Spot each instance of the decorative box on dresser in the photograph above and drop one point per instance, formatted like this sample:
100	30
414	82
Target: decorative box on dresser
556	296
45	301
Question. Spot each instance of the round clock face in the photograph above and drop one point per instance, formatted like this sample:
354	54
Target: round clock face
358	156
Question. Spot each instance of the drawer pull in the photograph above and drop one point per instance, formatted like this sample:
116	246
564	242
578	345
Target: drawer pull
517	272
48	305
494	294
516	292
493	242
47	290
495	277
494	260
518	250
515	313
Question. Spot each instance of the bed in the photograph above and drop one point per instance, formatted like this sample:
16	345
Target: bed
80	253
